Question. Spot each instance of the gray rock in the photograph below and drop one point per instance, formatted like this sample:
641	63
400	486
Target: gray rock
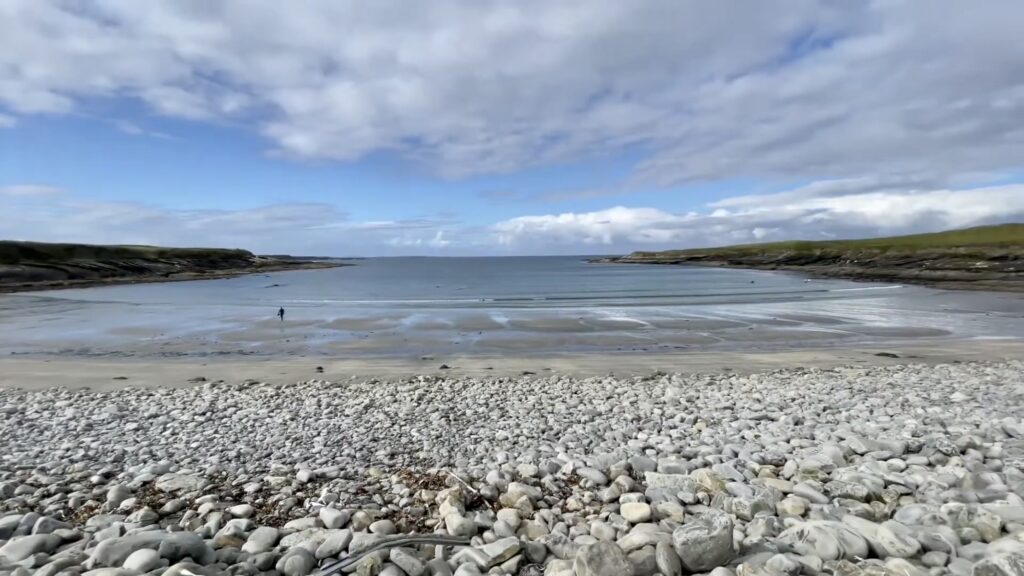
335	543
408	562
241	511
58	565
642	464
118	493
644	561
47	525
467	570
262	539
361	541
144	516
263	561
333	518
180	483
667	560
8	524
142	560
459	525
1001	565
300	524
643	535
179	545
114	572
21	547
383	527
310	539
189	569
296	562
489	555
705	543
890	539
828	540
670	482
636	512
602	559
594	475
114	551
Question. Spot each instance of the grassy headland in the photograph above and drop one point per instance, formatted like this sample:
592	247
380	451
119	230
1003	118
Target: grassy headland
40	266
985	257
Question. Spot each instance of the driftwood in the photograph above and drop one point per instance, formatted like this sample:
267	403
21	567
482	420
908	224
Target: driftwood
392	542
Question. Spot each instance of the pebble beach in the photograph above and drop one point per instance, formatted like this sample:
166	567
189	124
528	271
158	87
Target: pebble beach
900	470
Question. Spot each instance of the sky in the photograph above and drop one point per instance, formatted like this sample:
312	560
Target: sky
505	127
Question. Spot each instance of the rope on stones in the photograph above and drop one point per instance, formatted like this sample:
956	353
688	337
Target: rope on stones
392	542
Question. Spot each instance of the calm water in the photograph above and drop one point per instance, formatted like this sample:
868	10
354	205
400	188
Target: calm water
535	305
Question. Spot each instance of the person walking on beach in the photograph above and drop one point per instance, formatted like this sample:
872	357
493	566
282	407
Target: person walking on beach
280	314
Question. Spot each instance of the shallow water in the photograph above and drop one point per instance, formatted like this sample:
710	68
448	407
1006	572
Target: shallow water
537	306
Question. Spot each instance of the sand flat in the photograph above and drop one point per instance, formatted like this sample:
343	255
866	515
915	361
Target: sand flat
102	373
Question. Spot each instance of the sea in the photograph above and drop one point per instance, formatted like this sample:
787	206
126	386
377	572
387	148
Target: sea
425	307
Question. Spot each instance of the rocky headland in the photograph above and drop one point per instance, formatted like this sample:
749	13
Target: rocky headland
985	258
42	266
901	470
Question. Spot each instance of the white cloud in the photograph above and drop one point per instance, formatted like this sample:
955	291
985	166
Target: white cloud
133	129
703	90
817	211
790	215
417	242
604	227
7	121
42	213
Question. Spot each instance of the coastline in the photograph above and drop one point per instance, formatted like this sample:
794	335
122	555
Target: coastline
47	285
944	280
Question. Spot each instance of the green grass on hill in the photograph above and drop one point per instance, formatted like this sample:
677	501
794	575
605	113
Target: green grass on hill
1009	236
13	253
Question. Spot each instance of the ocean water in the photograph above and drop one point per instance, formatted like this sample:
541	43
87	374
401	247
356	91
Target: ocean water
529	305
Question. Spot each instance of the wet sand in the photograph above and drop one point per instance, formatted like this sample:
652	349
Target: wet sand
114	374
65	328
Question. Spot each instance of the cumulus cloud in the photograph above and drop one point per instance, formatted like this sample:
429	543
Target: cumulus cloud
821	210
43	213
700	90
815	212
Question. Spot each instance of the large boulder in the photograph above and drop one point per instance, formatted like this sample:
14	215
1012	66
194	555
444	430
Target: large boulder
180	483
826	539
705	543
171	545
21	547
602	559
1001	565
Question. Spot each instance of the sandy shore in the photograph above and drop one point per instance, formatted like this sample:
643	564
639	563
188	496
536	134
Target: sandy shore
112	374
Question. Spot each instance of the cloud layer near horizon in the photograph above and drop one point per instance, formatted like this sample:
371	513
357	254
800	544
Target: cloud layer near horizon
816	211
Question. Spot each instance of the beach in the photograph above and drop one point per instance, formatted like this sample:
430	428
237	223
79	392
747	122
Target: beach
770	428
901	468
111	374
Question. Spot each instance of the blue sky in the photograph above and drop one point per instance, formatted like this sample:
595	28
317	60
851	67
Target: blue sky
488	127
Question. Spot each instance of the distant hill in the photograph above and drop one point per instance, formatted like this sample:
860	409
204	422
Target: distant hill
985	257
39	265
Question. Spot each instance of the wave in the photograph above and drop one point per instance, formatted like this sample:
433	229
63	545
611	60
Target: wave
866	288
602	297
